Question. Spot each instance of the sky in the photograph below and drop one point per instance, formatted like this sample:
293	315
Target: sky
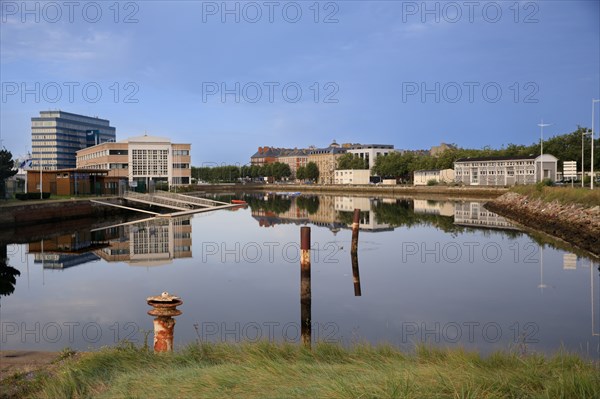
229	77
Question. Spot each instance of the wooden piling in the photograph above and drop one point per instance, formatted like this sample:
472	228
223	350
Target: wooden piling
355	224
305	294
355	274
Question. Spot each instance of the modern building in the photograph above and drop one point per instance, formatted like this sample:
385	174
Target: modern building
505	171
72	182
57	135
352	176
142	160
371	152
423	177
326	160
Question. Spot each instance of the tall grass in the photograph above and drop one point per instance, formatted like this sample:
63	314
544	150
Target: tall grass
266	370
564	195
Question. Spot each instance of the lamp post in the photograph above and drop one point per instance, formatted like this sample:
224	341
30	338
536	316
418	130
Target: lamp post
41	195
542	125
592	144
583	134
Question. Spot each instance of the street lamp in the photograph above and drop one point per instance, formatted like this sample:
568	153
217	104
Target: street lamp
542	125
583	134
592	160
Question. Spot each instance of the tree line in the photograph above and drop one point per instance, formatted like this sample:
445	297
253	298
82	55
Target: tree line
233	173
565	147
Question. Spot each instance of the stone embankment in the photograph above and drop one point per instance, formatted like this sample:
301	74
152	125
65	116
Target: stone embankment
574	223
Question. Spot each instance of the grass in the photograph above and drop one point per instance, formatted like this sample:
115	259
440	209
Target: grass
267	370
564	195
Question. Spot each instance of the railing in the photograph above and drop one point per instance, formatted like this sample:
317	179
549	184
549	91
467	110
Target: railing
158	200
190	199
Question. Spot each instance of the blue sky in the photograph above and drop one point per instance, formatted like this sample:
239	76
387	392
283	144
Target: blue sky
303	73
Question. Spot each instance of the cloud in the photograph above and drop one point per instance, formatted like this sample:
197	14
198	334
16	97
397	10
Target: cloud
63	49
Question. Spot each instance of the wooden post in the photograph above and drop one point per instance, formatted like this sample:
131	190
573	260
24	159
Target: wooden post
305	294
355	274
355	224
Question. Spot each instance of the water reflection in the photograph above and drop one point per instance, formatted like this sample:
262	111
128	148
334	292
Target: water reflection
240	293
376	214
149	243
8	274
154	242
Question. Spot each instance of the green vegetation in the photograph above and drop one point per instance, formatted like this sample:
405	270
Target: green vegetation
564	195
274	203
352	161
7	169
310	203
312	171
265	370
31	196
231	173
565	147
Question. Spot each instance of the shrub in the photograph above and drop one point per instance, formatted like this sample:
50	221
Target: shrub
432	182
31	196
543	183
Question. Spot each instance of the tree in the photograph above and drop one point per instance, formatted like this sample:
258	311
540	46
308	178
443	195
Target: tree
312	171
7	169
301	173
351	161
280	169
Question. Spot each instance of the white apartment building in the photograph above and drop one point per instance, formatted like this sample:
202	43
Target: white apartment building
371	152
505	171
352	176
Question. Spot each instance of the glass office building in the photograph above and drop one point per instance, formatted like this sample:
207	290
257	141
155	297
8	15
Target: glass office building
57	135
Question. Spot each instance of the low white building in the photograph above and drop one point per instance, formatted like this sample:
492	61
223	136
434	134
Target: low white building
505	171
352	176
422	177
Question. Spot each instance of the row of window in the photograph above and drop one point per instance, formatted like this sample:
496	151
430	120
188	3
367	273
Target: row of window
498	172
494	164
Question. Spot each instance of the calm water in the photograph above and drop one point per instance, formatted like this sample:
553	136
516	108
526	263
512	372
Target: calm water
448	273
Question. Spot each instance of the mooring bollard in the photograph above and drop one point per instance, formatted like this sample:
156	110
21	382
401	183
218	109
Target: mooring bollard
305	294
165	308
355	224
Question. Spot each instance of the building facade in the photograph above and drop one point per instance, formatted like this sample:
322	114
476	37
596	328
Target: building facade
294	158
422	177
141	160
56	136
72	182
370	152
352	176
326	160
265	155
505	171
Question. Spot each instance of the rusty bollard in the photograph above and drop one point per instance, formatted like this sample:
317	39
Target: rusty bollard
165	308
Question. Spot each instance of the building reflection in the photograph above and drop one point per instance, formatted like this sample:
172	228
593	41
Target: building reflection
442	208
65	250
332	212
473	214
153	242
